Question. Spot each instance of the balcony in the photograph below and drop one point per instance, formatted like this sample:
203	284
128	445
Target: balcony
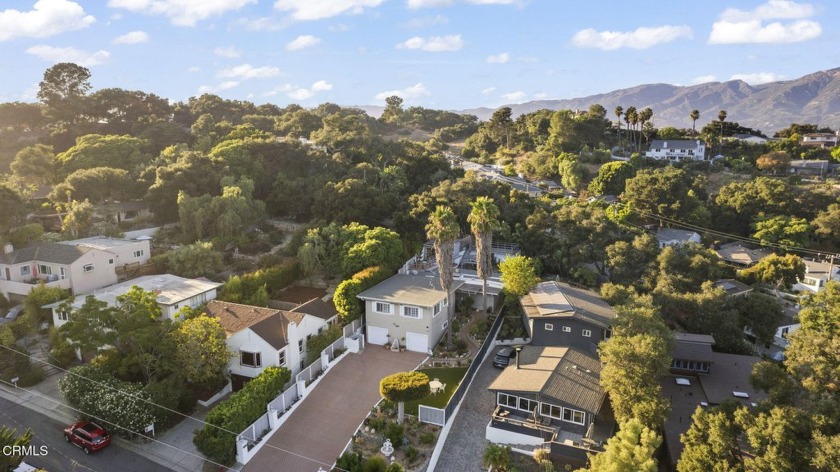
23	288
509	426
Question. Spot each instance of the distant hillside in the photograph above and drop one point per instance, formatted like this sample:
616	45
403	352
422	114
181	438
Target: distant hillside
814	98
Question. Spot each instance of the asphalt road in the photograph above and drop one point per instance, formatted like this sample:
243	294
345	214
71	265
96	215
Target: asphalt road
62	456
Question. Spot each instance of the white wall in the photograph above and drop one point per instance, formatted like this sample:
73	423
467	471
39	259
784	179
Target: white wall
102	275
254	343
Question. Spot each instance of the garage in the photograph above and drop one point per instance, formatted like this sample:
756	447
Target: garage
417	342
376	335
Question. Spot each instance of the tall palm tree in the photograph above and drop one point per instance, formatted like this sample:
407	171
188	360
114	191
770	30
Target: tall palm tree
443	229
619	110
484	219
721	117
694	115
631	117
644	117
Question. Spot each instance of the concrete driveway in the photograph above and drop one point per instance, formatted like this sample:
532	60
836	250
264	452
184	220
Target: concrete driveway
318	430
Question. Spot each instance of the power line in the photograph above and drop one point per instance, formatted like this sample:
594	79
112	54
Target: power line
150	402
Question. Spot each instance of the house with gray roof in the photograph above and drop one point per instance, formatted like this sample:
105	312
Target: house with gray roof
675	237
408	308
817	274
78	269
558	314
263	337
739	254
677	150
552	397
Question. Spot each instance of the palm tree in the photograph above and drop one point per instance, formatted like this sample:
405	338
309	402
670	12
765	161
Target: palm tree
496	457
694	115
443	229
644	117
619	110
630	117
721	117
484	219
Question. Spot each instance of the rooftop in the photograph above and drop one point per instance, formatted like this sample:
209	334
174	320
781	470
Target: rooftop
170	289
418	290
671	234
100	242
45	252
675	143
563	374
739	254
557	299
317	307
269	324
733	287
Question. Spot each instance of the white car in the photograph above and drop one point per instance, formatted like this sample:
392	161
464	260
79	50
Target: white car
12	314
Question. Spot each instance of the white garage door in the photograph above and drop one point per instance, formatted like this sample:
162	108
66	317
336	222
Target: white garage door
417	342
377	335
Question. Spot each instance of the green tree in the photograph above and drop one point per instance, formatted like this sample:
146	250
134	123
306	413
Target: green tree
94	150
496	457
40	296
9	439
619	110
711	443
96	184
23	235
393	112
776	161
13	207
443	230
694	115
78	221
380	247
202	352
778	438
63	91
775	270
572	174
627	261
827	223
611	178
195	260
404	387
632	449
760	314
670	193
519	275
483	220
35	165
781	229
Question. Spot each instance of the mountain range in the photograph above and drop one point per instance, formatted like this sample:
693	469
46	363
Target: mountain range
769	107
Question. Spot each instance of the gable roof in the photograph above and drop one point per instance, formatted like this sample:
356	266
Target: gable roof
419	290
235	317
675	144
671	234
45	252
275	329
318	308
693	347
561	300
563	374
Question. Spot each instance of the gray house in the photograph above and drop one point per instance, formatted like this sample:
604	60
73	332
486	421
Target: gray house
557	314
407	308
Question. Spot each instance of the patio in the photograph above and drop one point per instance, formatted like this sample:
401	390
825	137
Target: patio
544	429
449	378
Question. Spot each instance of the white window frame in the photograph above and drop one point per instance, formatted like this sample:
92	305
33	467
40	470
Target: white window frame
549	326
383	305
407	308
281	358
567	329
62	273
436	309
63	315
257	359
88	268
552	411
44	269
300	346
587	333
445	324
572	413
25	271
139	253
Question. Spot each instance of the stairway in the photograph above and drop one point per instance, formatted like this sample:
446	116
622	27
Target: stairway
40	356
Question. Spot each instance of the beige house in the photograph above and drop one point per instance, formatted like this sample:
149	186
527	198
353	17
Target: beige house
410	309
127	252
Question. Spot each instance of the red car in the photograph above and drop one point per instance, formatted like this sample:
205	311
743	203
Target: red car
88	436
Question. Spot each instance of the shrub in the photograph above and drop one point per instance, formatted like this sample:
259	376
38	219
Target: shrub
395	433
412	454
238	412
62	352
319	342
40	296
375	464
348	305
253	287
427	438
173	399
349	462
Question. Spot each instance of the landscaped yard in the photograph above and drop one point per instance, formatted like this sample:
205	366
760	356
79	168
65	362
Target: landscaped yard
451	376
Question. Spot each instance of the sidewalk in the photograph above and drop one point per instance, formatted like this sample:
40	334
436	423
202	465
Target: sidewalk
173	449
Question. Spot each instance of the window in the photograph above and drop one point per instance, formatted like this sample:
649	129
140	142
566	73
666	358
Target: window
110	261
300	346
587	333
63	272
63	315
436	309
302	364
446	301
607	333
411	312
573	416
381	307
507	400
281	358
87	267
25	270
445	324
44	269
567	329
250	359
139	253
547	409
549	327
527	405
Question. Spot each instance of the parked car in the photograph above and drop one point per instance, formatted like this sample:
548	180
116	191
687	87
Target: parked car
88	436
12	314
503	357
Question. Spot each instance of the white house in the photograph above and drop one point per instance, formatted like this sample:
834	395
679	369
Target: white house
822	140
173	293
407	308
76	268
675	237
264	337
750	139
817	274
127	252
677	150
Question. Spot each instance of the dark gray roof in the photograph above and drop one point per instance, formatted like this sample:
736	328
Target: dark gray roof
317	307
561	300
671	234
692	351
45	252
733	287
674	143
274	329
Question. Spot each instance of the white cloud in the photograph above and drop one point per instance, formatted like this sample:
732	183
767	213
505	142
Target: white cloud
416	4
321	86
261	24
514	96
247	71
229	52
47	18
426	21
499	59
452	42
304	10
540	96
134	37
339	28
488	90
181	12
744	27
302	42
641	38
78	56
703	79
409	93
218	88
301	93
194	69
758	78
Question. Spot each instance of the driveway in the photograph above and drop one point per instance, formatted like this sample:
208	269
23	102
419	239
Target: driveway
465	444
323	424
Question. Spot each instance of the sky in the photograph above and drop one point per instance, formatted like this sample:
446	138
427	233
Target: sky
444	54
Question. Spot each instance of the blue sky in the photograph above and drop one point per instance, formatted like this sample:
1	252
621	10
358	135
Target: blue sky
449	54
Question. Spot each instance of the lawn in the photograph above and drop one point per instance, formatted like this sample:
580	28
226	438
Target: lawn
450	376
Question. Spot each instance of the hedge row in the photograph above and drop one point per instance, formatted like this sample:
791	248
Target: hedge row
350	307
254	288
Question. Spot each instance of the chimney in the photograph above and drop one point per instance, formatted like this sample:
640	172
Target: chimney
8	248
518	350
665	144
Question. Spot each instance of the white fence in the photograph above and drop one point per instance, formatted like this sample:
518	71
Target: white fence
430	414
311	372
352	328
257	430
285	400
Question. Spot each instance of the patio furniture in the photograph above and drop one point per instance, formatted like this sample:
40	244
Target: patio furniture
435	386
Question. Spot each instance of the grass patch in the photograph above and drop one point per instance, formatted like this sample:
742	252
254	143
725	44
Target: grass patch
450	376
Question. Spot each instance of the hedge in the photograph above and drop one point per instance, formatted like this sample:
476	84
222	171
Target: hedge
350	307
217	439
247	288
404	386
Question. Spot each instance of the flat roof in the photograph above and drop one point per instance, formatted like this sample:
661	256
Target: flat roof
730	373
170	289
418	290
557	299
101	242
733	287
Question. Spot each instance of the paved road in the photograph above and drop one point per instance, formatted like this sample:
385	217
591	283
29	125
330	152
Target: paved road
62	456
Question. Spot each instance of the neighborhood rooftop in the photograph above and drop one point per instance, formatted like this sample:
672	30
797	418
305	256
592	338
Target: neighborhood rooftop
319	308
170	289
419	290
100	242
45	252
557	299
